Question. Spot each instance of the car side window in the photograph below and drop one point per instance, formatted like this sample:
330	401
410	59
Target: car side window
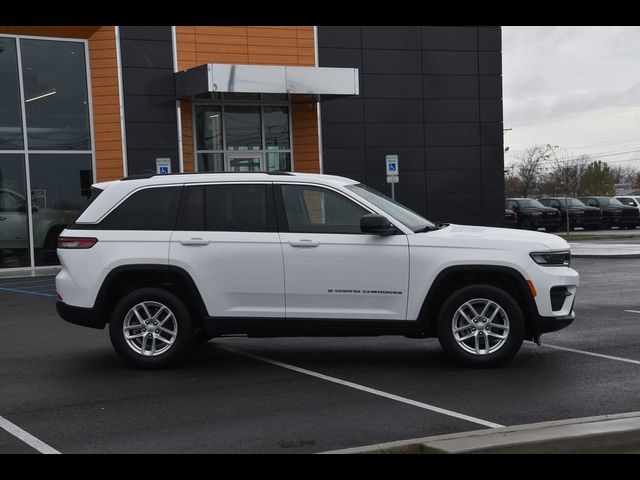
153	208
512	205
227	208
310	209
9	202
555	204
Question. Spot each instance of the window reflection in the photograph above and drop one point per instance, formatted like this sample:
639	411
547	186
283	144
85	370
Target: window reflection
10	114
55	90
14	226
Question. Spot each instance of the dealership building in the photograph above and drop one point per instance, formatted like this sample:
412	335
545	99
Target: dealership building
87	104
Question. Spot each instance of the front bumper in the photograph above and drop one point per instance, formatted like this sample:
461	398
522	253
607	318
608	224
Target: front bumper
86	317
546	222
542	324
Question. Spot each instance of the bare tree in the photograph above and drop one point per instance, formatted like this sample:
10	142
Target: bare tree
568	172
624	173
529	166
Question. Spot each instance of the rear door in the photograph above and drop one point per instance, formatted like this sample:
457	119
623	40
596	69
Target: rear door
227	241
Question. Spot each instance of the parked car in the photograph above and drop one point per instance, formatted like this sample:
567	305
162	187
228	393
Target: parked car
532	215
14	231
580	215
167	260
614	213
510	218
629	200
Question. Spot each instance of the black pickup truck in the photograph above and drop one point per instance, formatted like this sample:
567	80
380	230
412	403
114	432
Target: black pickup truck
532	215
580	215
614	213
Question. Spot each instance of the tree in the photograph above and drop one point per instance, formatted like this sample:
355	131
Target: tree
568	172
598	179
625	173
529	166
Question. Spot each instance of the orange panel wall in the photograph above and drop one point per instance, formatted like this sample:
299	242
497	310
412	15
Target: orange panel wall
104	90
254	45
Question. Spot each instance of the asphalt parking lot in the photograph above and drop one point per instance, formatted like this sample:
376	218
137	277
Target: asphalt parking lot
63	385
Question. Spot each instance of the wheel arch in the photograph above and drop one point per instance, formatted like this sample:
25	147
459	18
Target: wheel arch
455	277
123	279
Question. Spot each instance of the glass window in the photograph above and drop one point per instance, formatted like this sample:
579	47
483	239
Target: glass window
209	127
148	209
55	89
394	209
10	114
278	161
60	188
318	210
242	126
276	128
226	208
211	162
14	221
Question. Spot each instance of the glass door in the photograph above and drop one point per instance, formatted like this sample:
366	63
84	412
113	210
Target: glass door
244	162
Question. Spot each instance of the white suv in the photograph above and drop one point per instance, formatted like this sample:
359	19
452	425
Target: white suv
170	260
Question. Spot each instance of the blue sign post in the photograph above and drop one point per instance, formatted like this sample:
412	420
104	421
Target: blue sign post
393	173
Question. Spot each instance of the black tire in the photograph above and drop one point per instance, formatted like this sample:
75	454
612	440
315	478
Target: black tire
174	352
514	336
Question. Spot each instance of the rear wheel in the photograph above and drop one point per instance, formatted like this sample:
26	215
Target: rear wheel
481	326
150	328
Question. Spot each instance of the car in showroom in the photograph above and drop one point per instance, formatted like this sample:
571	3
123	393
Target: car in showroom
614	213
170	260
580	215
14	230
532	215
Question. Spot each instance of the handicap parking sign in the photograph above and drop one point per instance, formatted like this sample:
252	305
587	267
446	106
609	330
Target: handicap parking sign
163	166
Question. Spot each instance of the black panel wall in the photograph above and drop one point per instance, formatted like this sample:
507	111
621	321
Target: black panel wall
433	96
149	97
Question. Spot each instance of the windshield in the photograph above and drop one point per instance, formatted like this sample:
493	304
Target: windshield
610	201
530	203
394	209
572	202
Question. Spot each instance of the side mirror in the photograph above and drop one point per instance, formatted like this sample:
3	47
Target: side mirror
377	224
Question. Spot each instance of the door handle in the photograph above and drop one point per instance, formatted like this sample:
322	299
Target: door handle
194	242
304	244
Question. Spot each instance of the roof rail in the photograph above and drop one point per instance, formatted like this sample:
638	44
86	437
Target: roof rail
151	175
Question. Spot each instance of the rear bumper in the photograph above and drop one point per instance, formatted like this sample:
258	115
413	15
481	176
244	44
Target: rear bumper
86	317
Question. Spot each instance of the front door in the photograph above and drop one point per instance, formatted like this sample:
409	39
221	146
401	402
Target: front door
244	162
332	270
228	243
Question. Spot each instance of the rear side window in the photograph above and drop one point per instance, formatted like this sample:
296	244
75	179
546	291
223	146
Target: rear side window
227	208
148	209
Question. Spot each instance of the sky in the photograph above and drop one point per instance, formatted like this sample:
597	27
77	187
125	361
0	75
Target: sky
576	87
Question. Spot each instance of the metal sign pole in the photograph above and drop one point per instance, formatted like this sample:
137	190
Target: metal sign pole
393	192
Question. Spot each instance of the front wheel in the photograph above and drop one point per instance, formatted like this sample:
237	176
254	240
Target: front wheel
481	326
150	328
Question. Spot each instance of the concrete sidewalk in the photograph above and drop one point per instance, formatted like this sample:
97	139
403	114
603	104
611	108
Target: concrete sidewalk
592	249
603	434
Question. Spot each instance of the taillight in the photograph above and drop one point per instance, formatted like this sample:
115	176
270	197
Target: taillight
76	242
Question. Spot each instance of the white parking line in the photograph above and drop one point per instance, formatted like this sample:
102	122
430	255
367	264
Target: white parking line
632	311
592	354
27	438
362	388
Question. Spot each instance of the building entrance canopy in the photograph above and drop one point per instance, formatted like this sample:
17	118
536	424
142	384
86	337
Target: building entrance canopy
228	78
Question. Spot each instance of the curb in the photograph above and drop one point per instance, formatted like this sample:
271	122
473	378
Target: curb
618	433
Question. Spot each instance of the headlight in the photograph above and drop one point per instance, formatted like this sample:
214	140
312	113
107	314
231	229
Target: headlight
557	259
536	214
